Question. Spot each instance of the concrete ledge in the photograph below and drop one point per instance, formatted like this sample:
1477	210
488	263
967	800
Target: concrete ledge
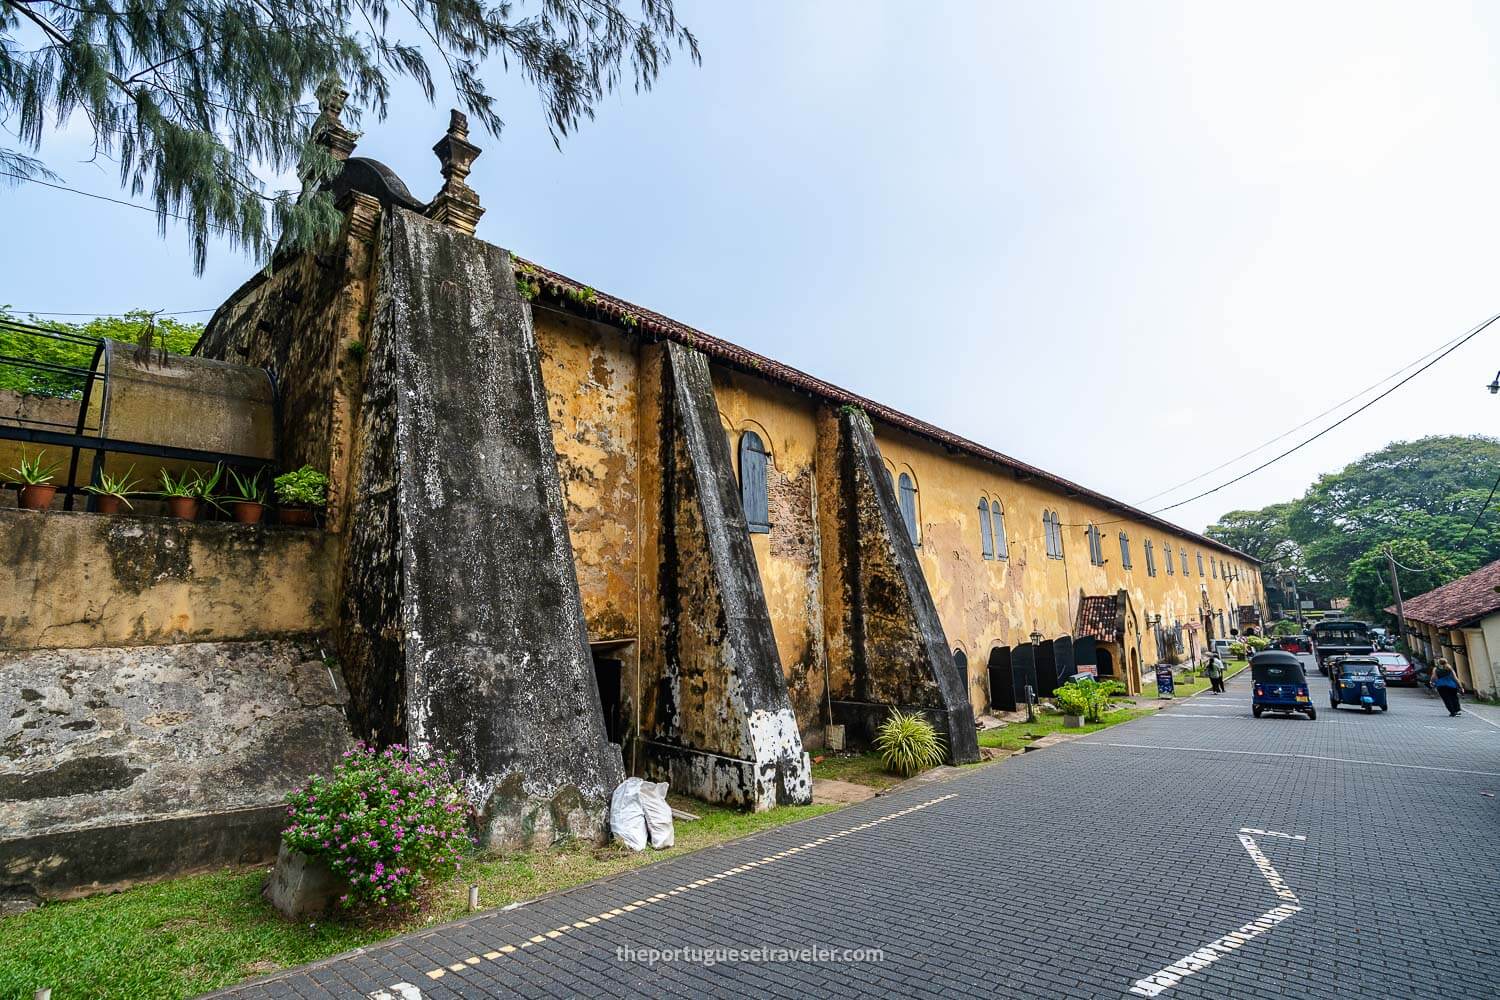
73	863
72	580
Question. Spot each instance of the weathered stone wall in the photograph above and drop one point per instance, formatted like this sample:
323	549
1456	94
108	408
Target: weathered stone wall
717	721
590	373
305	323
898	653
130	763
460	591
78	580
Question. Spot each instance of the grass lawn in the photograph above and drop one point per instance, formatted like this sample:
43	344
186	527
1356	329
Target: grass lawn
188	935
858	768
1019	735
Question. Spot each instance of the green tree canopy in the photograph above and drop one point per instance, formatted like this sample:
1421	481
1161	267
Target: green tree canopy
195	98
166	333
1423	568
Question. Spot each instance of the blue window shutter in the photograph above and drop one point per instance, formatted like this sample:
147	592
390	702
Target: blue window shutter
1002	547
908	494
754	493
986	538
1124	551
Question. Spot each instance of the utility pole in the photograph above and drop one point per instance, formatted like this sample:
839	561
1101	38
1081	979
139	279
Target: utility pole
1390	561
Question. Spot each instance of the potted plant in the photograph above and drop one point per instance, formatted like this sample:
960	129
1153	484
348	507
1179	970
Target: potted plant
247	500
185	492
111	491
34	476
300	495
1074	702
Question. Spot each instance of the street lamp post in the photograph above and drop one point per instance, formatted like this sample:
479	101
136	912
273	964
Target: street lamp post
1036	642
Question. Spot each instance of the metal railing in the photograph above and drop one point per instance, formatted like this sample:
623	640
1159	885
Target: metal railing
25	368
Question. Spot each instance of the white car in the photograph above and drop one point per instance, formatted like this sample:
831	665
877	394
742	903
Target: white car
1221	647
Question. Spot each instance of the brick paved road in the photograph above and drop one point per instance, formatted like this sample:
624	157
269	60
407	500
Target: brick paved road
1034	878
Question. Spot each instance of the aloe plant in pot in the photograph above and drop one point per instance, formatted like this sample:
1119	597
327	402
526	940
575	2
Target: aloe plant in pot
185	493
34	476
247	499
301	494
111	491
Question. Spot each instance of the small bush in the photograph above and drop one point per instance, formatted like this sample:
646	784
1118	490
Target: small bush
1237	650
1087	697
386	821
908	744
306	487
1257	643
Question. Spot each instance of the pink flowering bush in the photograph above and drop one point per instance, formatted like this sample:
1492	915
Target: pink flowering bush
386	821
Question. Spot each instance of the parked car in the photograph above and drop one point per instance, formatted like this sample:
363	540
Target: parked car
1221	647
1356	680
1396	668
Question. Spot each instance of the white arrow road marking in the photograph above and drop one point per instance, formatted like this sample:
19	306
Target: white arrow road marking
1196	961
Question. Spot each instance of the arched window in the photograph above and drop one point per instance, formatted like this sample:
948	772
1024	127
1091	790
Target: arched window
986	537
961	661
1052	529
907	492
1047	532
1096	546
1125	550
753	489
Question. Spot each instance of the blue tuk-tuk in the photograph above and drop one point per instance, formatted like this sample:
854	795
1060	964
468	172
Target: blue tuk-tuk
1356	680
1279	684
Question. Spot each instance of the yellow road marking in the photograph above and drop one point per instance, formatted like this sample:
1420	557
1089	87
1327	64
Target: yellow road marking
506	949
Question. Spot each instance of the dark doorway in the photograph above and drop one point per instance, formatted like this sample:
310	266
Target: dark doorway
1085	655
607	672
1106	662
1002	686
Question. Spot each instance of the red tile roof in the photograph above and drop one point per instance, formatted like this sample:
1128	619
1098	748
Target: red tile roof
1099	617
1465	600
586	301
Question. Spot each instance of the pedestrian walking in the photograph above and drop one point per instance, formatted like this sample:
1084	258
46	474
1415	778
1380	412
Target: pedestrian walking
1215	671
1445	682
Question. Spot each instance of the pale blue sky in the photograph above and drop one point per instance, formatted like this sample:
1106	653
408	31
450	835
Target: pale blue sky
1124	242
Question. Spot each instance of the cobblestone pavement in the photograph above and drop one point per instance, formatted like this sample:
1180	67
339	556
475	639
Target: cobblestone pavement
1160	857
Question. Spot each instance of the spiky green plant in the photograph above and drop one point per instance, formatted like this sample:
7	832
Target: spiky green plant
246	489
908	743
35	471
185	485
120	487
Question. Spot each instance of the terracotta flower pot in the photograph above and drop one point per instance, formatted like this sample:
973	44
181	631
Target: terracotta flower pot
248	511
37	496
106	504
300	517
185	508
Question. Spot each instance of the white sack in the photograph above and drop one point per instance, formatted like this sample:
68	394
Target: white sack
658	814
627	821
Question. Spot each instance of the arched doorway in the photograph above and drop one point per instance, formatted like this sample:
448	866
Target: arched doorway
1135	669
1106	662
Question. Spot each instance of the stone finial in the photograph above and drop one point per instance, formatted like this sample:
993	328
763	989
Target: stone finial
330	130
457	204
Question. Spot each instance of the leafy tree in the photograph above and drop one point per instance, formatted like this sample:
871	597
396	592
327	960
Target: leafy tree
166	333
1430	489
1369	581
193	97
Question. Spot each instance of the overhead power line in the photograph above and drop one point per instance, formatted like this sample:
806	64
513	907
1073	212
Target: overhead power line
1310	420
110	315
112	201
1476	331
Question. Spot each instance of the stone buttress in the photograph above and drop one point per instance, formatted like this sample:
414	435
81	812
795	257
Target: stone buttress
891	650
462	626
715	718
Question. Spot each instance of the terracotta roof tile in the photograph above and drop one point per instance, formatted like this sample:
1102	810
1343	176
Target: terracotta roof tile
1457	603
1099	617
586	301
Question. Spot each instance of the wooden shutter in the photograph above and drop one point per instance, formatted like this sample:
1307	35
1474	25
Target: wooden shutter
986	537
754	492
